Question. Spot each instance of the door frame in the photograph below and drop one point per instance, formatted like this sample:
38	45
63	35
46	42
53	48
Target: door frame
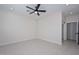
66	31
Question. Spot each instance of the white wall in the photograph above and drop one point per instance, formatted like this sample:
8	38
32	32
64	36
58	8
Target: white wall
64	32
50	28
15	27
63	22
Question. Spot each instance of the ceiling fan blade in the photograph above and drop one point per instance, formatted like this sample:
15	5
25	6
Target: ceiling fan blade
32	12
30	8
37	7
41	10
38	14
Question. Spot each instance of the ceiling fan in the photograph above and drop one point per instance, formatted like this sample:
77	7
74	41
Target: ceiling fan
36	9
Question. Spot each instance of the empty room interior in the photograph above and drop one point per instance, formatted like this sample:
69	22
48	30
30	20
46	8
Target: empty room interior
39	29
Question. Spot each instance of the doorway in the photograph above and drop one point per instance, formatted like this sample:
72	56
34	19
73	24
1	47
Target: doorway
71	31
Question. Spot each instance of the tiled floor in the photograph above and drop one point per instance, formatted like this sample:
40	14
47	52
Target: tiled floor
40	47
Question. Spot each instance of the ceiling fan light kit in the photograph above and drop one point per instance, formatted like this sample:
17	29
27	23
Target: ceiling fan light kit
36	10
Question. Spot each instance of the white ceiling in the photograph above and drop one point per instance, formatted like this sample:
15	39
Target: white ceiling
20	8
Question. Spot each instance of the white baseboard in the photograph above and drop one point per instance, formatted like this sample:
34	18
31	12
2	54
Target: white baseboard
56	42
7	43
